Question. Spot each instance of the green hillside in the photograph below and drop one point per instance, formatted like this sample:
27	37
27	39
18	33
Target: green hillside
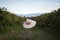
50	23
8	20
47	27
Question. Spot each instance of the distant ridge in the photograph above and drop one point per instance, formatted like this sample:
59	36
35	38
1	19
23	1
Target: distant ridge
29	15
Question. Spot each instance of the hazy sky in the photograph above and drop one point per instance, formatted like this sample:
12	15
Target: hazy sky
30	6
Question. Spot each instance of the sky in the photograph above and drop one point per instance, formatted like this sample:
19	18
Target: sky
30	6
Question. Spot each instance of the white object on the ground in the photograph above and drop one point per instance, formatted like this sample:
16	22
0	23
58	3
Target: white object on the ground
29	23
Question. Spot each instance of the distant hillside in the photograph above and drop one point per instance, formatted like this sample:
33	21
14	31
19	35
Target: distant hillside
29	15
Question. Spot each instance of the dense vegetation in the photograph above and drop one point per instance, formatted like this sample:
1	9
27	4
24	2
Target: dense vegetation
48	22
8	19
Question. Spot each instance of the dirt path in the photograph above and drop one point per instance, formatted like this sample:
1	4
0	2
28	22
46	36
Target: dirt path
26	35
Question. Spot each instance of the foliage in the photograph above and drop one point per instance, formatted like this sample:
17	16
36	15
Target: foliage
48	22
8	19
